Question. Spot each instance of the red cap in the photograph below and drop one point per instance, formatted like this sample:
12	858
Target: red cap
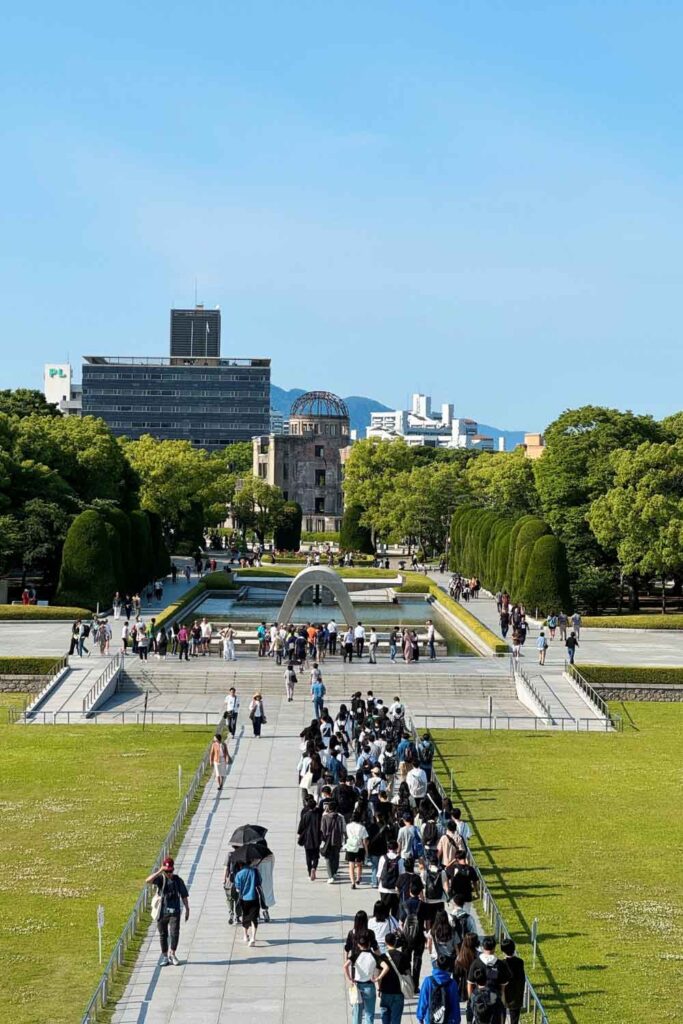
168	864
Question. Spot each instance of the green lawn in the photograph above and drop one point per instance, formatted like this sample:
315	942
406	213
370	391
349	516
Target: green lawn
84	811
584	832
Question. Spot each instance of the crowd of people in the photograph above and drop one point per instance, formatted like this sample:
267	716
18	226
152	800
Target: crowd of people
368	794
316	641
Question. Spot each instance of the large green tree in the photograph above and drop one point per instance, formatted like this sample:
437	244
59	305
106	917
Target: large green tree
27	402
640	517
503	481
258	506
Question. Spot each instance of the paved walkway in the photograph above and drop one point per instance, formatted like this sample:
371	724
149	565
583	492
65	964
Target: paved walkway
294	973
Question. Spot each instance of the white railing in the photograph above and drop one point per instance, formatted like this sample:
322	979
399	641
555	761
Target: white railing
54	677
520	676
104	685
589	694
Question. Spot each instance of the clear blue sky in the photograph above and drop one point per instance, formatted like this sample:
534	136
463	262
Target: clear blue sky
483	200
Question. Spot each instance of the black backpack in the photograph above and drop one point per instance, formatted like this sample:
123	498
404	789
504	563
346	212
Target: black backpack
86	630
389	764
389	876
461	927
412	932
430	834
433	885
484	1005
438	1005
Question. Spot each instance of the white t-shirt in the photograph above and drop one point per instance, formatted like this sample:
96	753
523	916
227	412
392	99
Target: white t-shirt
355	835
359	632
364	967
382	929
207	630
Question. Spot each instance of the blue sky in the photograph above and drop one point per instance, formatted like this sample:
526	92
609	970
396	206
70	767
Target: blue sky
478	200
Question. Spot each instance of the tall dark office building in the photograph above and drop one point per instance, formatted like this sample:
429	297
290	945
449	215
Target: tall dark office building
200	398
195	332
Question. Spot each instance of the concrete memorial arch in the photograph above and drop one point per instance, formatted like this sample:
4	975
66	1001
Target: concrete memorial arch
318	576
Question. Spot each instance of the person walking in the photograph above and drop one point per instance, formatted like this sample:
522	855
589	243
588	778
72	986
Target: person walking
173	892
552	625
183	642
116	605
348	645
228	635
219	758
393	645
571	643
359	637
143	641
125	631
332	636
248	885
562	625
332	835
576	624
318	691
431	640
232	707
361	971
373	641
513	993
439	998
309	834
257	714
356	847
542	647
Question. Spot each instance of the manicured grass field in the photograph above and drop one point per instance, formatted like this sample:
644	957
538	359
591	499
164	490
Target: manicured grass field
584	832
84	811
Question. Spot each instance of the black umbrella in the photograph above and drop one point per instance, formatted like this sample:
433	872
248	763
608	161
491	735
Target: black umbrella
247	834
249	853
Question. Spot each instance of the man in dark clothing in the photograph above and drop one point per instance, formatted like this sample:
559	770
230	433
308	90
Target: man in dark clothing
346	796
513	996
571	643
462	879
388	982
497	972
483	1005
413	914
173	891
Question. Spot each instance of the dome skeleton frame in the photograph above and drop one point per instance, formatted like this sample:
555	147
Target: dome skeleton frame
321	404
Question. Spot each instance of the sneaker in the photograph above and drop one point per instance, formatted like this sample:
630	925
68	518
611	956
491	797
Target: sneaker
353	885
164	962
252	942
173	959
330	881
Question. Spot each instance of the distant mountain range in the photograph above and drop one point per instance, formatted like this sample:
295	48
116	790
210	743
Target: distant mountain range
360	409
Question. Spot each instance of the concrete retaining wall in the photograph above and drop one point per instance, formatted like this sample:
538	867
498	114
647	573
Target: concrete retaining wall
636	691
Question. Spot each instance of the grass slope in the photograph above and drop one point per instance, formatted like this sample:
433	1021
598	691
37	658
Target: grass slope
583	832
84	811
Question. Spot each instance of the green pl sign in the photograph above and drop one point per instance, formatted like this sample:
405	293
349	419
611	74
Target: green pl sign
56	371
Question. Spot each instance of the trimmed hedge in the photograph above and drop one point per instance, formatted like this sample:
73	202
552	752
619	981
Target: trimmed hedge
499	552
416	585
287	534
293	570
547	578
353	536
496	643
644	675
646	621
329	537
212	581
87	572
19	666
37	613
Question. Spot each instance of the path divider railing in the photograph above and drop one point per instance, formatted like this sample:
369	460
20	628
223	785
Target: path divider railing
130	929
52	677
532	1002
591	695
520	675
105	684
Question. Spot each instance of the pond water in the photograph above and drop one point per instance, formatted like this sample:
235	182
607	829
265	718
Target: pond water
263	605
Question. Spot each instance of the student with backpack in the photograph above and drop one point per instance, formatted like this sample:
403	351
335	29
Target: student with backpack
497	973
462	880
513	993
393	965
387	874
412	935
461	921
425	755
439	1001
434	892
484	1005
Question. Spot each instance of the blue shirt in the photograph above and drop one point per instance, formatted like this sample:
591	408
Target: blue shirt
452	997
246	882
318	690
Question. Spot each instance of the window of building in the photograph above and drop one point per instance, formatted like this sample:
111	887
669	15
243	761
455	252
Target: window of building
320	504
320	478
285	495
309	524
320	451
285	471
321	526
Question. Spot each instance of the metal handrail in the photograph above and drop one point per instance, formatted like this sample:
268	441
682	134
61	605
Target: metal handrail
503	722
532	1002
110	670
517	670
58	667
100	995
592	694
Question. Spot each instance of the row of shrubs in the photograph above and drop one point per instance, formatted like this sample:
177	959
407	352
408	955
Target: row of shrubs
106	550
329	537
20	666
212	581
643	675
40	613
521	556
648	621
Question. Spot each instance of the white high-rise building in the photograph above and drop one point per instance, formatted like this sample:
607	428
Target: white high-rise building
59	389
419	427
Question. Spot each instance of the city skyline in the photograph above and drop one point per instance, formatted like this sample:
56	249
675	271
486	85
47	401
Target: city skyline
486	195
